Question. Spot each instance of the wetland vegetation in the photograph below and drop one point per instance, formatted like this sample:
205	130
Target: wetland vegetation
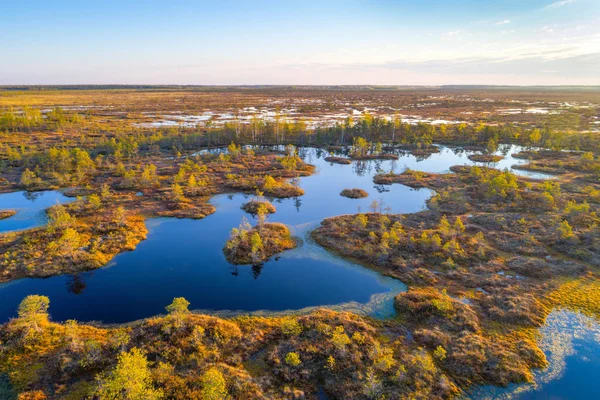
354	193
195	244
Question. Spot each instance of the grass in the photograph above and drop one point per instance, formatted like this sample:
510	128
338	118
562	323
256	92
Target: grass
581	294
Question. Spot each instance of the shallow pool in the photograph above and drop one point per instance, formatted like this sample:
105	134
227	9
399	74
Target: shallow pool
30	208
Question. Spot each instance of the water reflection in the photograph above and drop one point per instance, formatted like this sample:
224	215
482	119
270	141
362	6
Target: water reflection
30	208
76	284
571	343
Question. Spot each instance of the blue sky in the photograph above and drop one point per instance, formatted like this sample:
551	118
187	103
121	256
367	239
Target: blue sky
427	42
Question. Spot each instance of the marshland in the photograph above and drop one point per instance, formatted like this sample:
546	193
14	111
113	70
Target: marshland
298	242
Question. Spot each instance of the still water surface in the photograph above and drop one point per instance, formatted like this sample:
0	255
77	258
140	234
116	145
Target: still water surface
571	343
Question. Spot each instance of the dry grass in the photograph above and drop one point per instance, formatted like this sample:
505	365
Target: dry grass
581	294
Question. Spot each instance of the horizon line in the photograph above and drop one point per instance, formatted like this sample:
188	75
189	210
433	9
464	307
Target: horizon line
362	85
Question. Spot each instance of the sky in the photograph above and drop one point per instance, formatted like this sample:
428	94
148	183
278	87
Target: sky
325	42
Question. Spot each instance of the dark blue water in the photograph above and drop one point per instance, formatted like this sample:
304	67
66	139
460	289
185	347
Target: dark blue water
580	376
184	257
571	342
29	207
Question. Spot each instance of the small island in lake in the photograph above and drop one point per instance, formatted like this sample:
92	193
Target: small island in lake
354	193
258	207
4	214
485	158
338	160
254	245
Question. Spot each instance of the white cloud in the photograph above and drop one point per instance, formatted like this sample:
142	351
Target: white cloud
504	22
451	33
558	4
565	67
547	29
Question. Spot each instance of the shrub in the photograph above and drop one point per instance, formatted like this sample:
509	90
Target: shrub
439	353
213	385
290	326
339	338
361	221
565	231
292	359
131	379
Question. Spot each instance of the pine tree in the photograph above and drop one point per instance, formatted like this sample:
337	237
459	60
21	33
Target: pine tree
178	309
256	246
459	227
33	312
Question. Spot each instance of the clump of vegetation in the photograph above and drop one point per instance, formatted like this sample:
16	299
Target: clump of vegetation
254	245
581	294
267	185
486	158
392	242
354	193
130	379
70	243
259	206
338	160
409	177
4	214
